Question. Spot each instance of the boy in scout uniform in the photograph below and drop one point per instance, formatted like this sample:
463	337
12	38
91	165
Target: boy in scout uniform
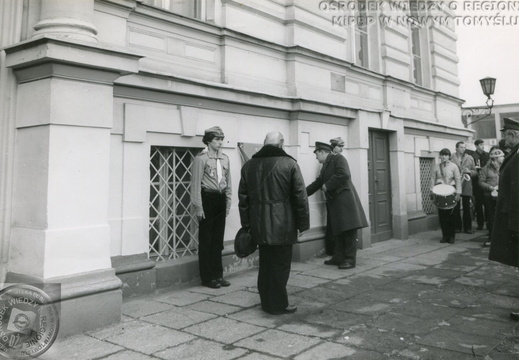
211	196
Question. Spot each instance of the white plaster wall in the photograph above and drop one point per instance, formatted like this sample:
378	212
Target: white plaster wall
311	39
129	184
448	112
59	227
253	69
116	194
268	28
111	28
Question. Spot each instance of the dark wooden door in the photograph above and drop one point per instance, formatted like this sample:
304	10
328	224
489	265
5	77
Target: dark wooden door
379	187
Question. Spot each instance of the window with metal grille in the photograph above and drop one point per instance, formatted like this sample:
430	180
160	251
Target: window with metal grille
426	170
173	230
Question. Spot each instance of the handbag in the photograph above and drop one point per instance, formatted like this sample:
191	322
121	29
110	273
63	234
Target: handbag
244	244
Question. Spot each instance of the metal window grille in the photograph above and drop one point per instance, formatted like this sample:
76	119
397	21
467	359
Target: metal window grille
172	227
426	169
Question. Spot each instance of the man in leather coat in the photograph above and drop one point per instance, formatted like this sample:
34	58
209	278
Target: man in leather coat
274	205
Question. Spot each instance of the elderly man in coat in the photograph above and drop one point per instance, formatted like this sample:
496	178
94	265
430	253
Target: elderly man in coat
274	205
343	204
505	232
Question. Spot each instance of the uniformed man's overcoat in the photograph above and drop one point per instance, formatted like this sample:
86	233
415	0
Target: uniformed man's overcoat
342	200
504	241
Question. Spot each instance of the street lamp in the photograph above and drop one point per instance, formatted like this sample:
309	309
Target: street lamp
488	85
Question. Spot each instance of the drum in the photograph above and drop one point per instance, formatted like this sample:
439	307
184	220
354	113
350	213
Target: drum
445	196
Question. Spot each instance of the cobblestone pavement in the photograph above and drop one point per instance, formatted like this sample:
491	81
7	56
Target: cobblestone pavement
406	299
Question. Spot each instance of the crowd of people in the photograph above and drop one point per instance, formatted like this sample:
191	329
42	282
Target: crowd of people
273	205
487	183
473	181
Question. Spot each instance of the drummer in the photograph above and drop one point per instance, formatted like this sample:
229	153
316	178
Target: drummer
488	181
449	174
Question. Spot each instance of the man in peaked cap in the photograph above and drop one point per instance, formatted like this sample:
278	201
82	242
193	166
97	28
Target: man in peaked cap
319	146
505	232
337	145
342	203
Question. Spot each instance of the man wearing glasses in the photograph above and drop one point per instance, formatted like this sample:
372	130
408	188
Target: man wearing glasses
504	238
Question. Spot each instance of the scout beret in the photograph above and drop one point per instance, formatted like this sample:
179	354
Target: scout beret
510	124
322	146
215	130
337	141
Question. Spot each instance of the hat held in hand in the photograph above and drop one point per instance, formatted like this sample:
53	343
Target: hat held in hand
244	245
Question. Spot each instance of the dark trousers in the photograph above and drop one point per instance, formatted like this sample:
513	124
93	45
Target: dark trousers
274	271
447	223
210	236
346	247
466	225
490	210
479	202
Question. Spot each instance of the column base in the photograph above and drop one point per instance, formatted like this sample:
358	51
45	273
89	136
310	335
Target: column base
137	274
87	301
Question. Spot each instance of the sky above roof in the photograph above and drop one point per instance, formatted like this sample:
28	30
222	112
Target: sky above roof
488	45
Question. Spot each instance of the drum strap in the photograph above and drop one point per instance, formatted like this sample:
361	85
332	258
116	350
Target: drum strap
442	165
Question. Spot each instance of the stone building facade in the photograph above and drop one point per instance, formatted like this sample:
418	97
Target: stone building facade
103	104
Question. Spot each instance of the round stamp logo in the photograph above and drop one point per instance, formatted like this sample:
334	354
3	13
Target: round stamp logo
29	322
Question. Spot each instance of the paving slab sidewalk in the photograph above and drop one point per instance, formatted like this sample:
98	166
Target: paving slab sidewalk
406	299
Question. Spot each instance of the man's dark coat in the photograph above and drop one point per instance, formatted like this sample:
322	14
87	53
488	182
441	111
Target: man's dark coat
504	238
272	197
342	200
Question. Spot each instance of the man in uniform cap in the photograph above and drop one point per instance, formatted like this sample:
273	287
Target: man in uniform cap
337	145
505	232
342	203
211	197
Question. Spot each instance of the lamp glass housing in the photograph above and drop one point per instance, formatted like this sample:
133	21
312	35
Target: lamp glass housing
488	86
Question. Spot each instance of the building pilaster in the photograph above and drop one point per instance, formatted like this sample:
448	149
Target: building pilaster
60	231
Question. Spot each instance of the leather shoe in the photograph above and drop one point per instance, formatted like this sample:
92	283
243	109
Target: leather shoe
450	240
330	262
514	316
480	227
213	284
443	240
346	265
469	232
290	309
223	282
